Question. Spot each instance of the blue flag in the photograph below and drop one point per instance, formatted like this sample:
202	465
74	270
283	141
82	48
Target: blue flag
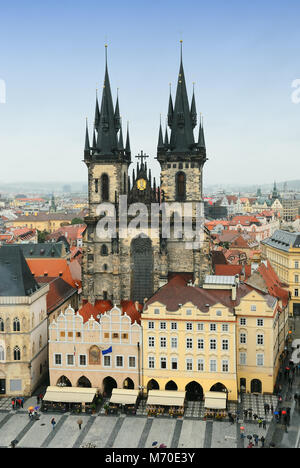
108	350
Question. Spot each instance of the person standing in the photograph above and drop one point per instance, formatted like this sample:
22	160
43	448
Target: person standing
53	422
262	439
79	422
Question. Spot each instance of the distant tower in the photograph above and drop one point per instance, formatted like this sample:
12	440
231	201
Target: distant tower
53	205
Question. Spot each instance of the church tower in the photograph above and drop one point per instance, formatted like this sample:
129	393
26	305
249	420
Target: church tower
182	158
107	160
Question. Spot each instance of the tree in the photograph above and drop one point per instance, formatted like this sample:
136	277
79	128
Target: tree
77	221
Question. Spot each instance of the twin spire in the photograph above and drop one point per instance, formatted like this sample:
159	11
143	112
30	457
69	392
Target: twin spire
107	133
182	119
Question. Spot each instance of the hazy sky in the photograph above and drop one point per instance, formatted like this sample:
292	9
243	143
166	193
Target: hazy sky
243	57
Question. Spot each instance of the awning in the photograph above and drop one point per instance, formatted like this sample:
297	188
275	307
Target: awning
70	394
124	396
215	400
166	398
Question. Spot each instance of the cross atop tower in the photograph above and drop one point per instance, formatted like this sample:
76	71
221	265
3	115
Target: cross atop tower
142	156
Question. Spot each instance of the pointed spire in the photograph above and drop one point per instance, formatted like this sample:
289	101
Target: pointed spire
120	142
97	112
94	139
160	144
201	139
107	138
193	109
117	117
127	146
166	142
170	110
182	137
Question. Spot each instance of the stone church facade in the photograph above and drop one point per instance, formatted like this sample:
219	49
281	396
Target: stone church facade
132	265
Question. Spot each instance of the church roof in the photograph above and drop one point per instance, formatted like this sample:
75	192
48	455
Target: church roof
15	276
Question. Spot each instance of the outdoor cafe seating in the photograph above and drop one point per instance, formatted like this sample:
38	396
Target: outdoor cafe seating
165	403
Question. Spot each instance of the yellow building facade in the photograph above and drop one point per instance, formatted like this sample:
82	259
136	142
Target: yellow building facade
225	336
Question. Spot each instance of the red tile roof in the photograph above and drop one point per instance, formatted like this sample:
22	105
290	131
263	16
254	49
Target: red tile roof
232	270
129	307
59	292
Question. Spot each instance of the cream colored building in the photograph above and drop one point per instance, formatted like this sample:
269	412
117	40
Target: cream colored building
23	326
222	337
77	341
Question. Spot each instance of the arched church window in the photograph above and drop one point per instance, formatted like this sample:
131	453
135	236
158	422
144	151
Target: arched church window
1	325
96	185
104	187
180	186
17	353
124	182
16	325
104	250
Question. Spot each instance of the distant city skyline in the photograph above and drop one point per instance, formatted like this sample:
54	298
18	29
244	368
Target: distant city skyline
243	59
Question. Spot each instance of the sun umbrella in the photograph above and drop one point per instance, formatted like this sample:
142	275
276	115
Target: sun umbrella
154	443
249	437
162	446
36	408
31	408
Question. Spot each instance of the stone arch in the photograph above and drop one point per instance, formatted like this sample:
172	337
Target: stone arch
256	386
171	385
128	383
152	385
194	391
63	381
218	387
180	184
109	384
104	187
83	382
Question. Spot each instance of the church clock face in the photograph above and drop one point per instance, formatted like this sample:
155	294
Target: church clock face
141	184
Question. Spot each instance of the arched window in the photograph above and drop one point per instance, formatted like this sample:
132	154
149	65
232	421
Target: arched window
1	325
124	182
104	187
17	353
104	249
180	186
2	355
16	325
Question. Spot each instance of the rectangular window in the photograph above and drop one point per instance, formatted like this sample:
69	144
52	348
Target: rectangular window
106	361
151	341
243	339
115	335
260	322
212	326
119	361
253	308
82	360
156	311
57	359
174	342
213	365
70	359
106	335
225	366
243	359
189	364
150	325
173	325
189	326
296	264
125	336
212	344
163	325
260	339
188	311
296	293
225	345
62	334
151	362
225	327
296	278
174	363
78	335
163	363
200	365
200	343
131	361
200	326
243	321
163	342
259	359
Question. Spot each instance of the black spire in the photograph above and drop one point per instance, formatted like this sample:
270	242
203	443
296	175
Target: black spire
97	112
182	137
160	145
127	146
117	115
120	142
201	139
170	110
87	143
193	110
107	134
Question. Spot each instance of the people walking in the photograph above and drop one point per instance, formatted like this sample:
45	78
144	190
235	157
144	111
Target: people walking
53	422
264	424
79	422
262	439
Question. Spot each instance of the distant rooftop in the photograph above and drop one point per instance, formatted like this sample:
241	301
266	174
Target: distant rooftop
211	279
283	240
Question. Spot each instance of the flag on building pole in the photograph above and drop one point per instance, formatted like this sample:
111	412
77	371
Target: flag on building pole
74	350
107	351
